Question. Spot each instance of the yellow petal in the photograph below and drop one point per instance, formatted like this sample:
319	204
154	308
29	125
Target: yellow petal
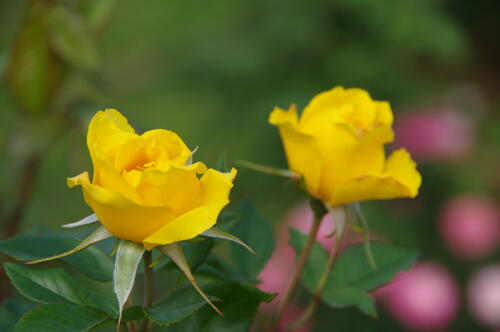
177	151
216	186
367	156
107	131
353	107
322	103
403	169
178	188
384	113
120	216
301	149
215	192
400	179
107	176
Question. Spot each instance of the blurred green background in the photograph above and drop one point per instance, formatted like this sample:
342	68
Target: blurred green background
213	71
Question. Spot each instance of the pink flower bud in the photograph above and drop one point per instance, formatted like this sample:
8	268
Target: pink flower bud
484	295
436	135
425	298
470	226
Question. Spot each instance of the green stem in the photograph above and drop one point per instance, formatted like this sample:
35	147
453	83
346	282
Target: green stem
319	213
148	287
332	256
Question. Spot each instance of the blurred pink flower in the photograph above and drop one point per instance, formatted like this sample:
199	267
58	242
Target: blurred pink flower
425	298
435	135
484	295
275	275
470	226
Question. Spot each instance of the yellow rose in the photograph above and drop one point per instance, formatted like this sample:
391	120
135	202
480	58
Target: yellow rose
337	145
144	187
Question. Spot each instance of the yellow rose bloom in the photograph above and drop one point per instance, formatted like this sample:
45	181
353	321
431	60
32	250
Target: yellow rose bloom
144	187
337	146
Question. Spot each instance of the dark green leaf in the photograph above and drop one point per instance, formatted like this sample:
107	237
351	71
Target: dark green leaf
179	305
227	219
352	275
239	304
55	285
133	313
59	317
258	234
11	312
91	261
342	297
71	38
175	252
352	267
196	253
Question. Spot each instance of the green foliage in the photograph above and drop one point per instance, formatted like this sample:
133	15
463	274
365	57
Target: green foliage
352	276
177	306
59	317
239	304
57	286
92	261
89	303
257	233
197	253
11	312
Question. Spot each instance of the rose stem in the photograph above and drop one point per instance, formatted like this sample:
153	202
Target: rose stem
148	286
319	212
311	307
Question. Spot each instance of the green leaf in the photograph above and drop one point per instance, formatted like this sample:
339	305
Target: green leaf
133	313
128	257
197	253
179	305
239	303
92	261
342	297
98	235
257	233
71	38
352	267
338	296
176	254
352	276
59	317
85	221
56	285
214	232
11	312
